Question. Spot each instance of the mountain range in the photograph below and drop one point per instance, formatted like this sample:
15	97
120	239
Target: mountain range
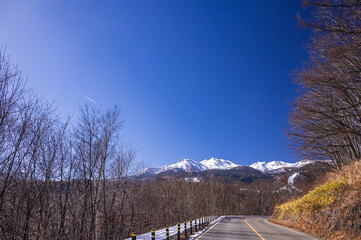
283	174
191	166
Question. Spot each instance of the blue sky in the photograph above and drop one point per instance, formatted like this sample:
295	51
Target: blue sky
194	79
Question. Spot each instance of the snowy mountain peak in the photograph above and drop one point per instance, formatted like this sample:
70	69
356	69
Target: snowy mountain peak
147	171
215	163
187	160
187	165
258	165
277	166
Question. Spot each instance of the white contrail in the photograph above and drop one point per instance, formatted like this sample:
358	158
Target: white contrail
147	50
88	98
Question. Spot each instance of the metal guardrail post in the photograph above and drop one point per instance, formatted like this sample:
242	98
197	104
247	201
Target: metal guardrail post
185	229
191	227
153	235
178	231
134	236
167	233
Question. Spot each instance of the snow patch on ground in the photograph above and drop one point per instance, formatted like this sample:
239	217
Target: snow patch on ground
191	179
292	178
194	236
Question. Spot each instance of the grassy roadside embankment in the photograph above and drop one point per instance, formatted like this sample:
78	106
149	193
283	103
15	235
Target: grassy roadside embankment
331	210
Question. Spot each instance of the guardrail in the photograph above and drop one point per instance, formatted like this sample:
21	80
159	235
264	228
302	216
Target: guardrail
189	228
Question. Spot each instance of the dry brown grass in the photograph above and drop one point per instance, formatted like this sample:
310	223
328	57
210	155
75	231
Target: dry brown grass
338	220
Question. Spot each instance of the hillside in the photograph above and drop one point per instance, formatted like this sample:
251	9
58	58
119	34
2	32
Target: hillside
331	210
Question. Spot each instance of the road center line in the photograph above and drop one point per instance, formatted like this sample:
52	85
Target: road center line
254	229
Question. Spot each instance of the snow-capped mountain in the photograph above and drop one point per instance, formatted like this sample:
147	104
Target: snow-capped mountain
189	165
147	171
215	163
278	166
186	165
289	175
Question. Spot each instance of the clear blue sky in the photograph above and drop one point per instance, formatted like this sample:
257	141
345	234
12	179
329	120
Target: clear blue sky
194	79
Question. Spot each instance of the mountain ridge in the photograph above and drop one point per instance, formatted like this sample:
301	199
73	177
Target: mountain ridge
189	165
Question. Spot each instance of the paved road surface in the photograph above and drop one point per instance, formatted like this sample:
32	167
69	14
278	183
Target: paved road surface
247	228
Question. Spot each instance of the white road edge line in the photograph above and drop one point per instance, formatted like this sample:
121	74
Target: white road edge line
292	230
207	230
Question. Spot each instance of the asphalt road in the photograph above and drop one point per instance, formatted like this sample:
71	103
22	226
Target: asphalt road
247	228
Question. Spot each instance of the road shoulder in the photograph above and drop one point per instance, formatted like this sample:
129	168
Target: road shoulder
293	230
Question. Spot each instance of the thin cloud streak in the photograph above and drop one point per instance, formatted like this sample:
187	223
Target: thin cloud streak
88	98
145	50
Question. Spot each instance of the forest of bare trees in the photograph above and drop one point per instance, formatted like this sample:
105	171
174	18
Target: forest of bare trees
325	122
73	179
52	171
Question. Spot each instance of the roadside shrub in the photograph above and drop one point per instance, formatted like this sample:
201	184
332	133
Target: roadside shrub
320	197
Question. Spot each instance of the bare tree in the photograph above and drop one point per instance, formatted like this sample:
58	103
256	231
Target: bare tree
325	122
